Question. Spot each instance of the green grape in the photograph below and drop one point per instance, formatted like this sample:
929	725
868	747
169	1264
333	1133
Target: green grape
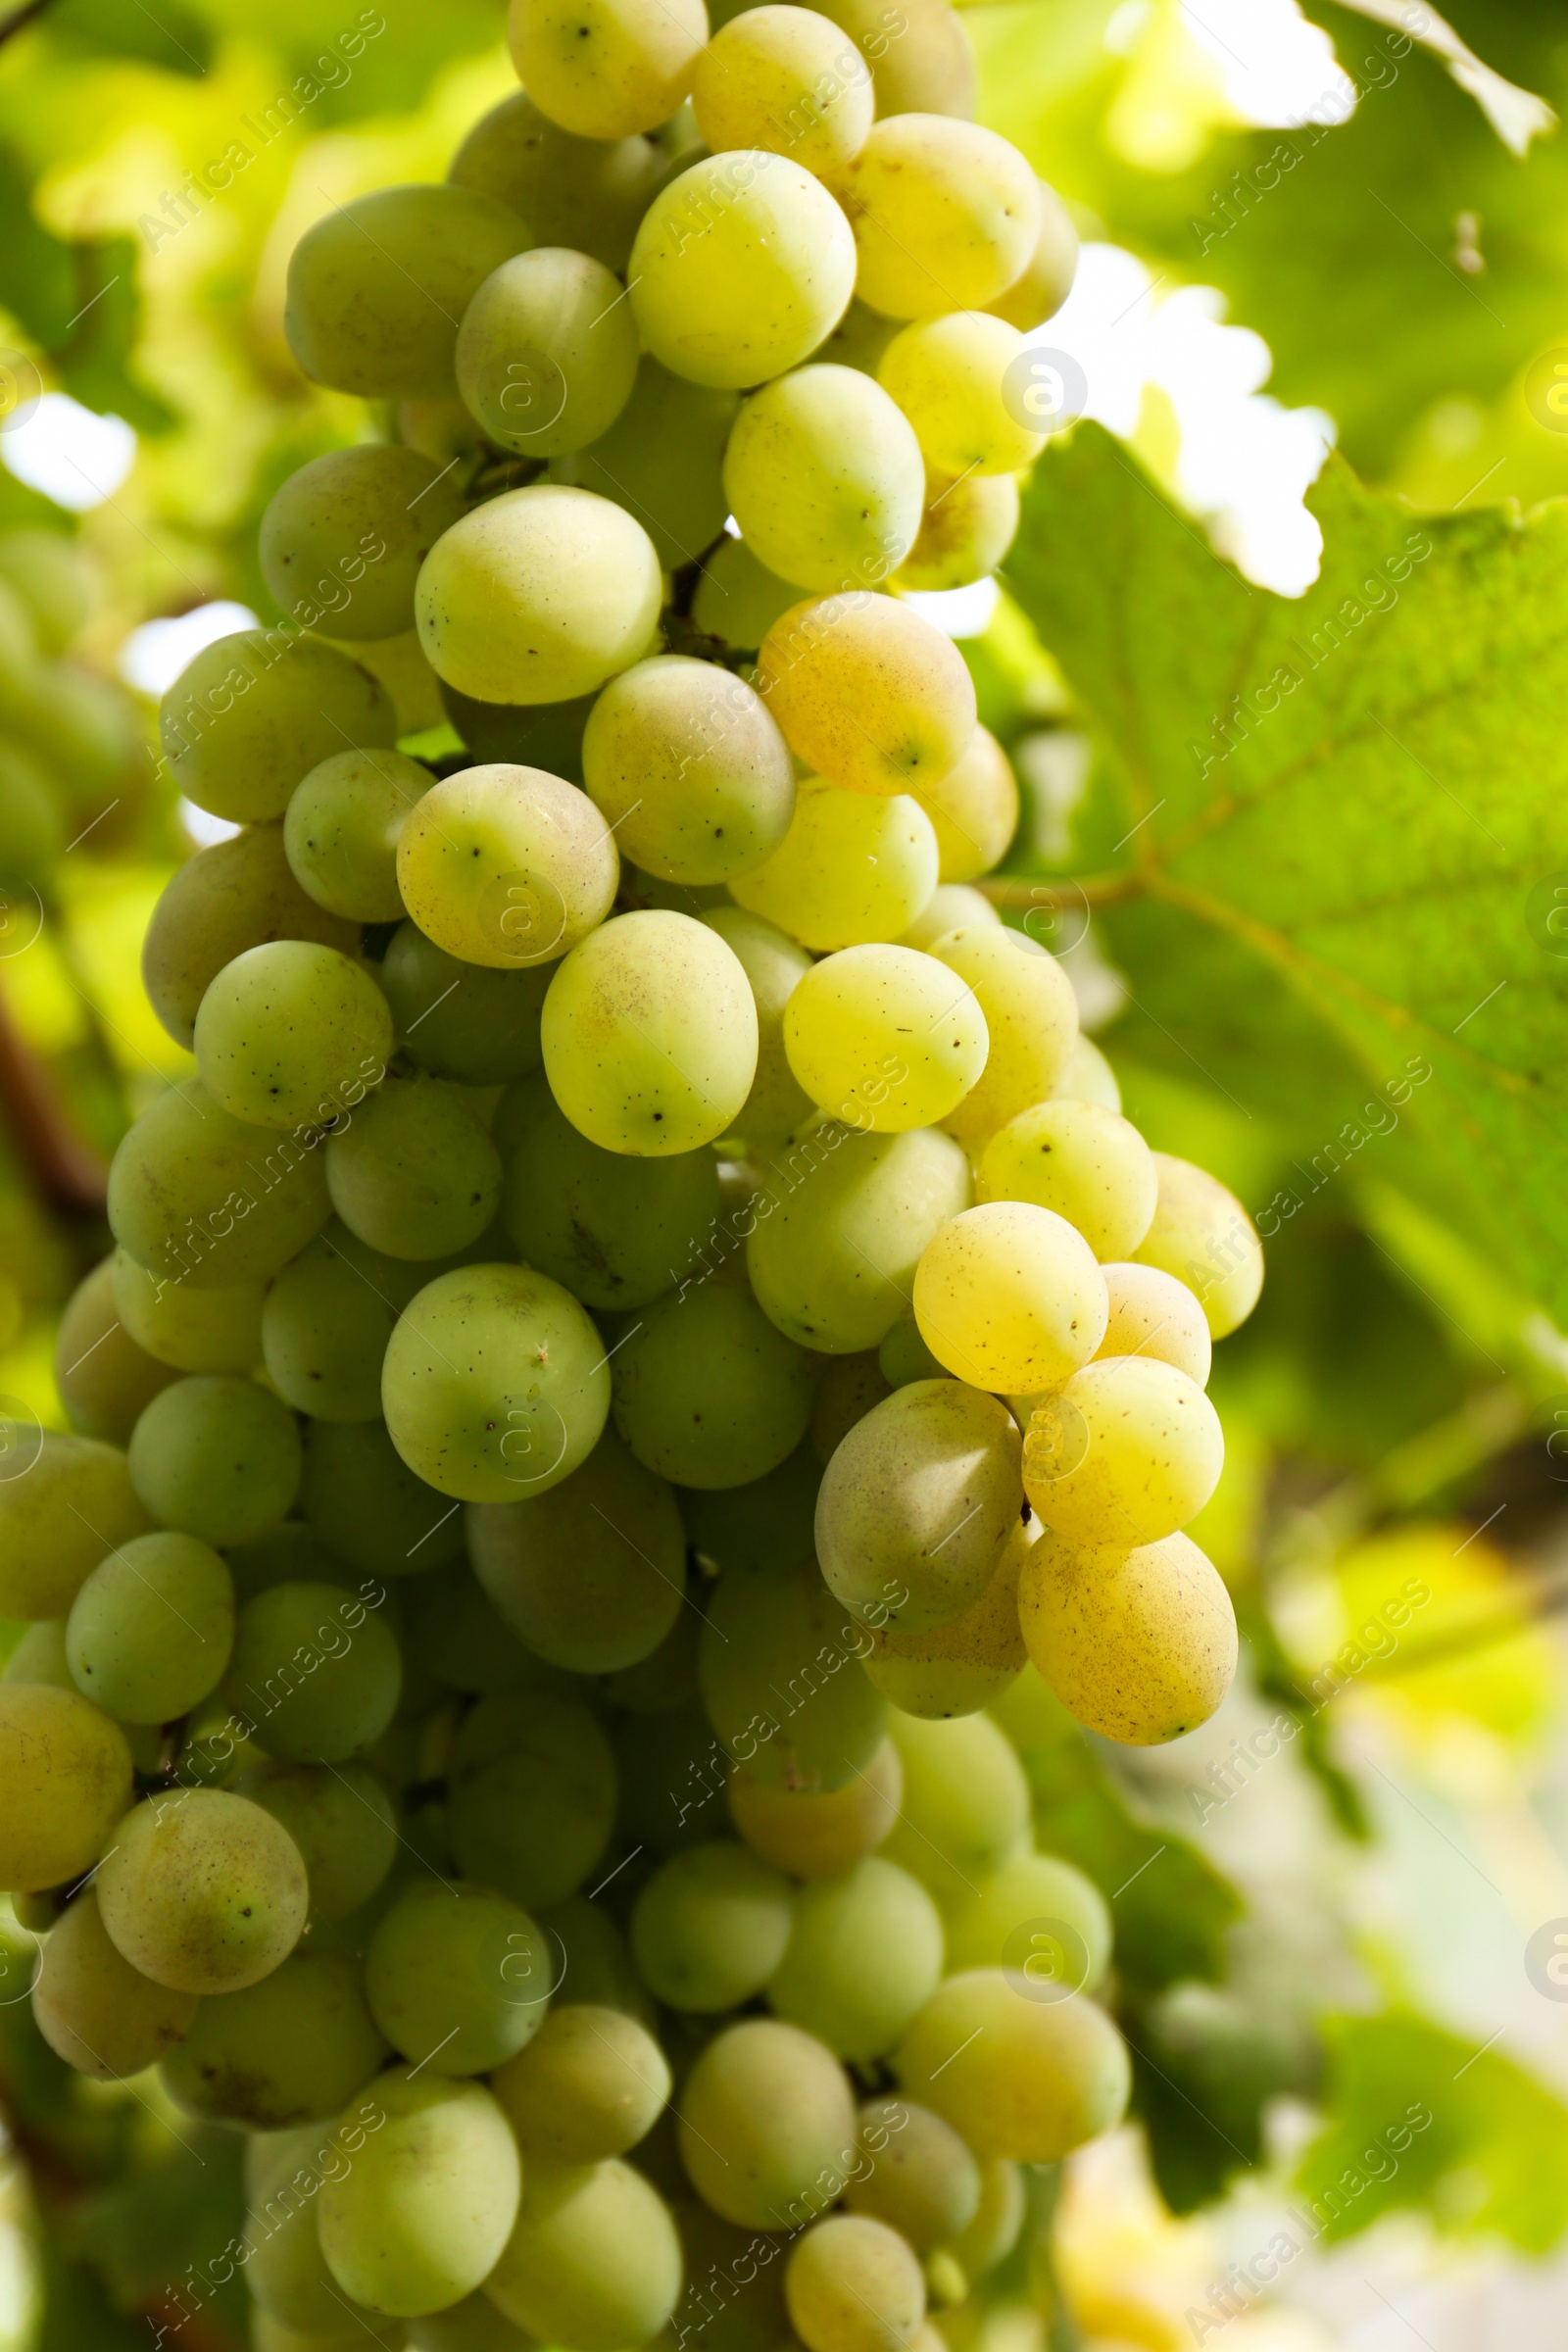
539	595
313	1674
737	599
833	1258
869	694
999	2220
544	735
946	375
252	713
685	766
271	2336
547	352
285	1029
533	1796
711	1927
50	574
864	1957
421	2215
287	2273
672	1771
766	2124
376	288
1088	1076
64	1780
1204	1236
825	478
1092	1166
859	339
973	810
919	58
203	1199
734	2294
820	1835
885	1038
473	2326
217	1458
775	967
342	541
588	193
959	1667
606	71
667	1678
965	1807
1123	1453
759	1527
918	1504
594	2260
919	2177
293	2049
904	1356
590	2083
32	825
592	1575
496	1385
650	1035
327	1321
64	1504
1138	1644
150	1631
461	1636
203	1891
708	1392
742	265
1032	1016
853	2285
787	81
369	1507
188	1330
1009	1296
783	1684
1037	1916
458	1976
662	461
507	866
949	908
1031	2079
93	2009
342	828
616	1229
342	1821
461	1020
846	1389
238	894
852	868
415	1174
1046	282
81	731
40	1657
285	1554
965	530
1153	1314
946	215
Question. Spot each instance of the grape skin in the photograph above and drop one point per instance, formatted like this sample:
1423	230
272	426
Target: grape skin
65	1779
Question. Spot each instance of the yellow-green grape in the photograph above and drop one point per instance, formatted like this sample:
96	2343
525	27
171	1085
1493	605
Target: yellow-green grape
1092	1166
54	579
710	1927
285	1029
533	1796
193	1331
1009	1296
737	599
217	1458
1088	1077
650	1035
952	907
368	1509
688	770
782	1681
1204	1236
869	694
293	2049
377	289
948	376
594	2260
64	1779
150	1631
846	1389
591	1575
904	1356
732	2306
944	214
921	59
708	1393
104	1374
763	1525
973	810
966	529
547	352
1126	1450
40	1656
589	193
1032	1016
852	868
341	1819
742	265
1031	2079
784	79
662	460
775	967
537	596
419	2215
299	2306
999	2220
959	1667
315	1671
342	541
865	1956
608	69
824	477
884	1037
916	2174
1139	1644
965	1805
853	2285
1039	1917
458	1978
252	713
1046	281
271	2336
60	1516
1153	1314
590	2083
475	2325
823	1833
918	1503
841	1229
238	894
202	1892
414	1173
327	1321
342	828
766	2124
461	1020
93	2009
507	866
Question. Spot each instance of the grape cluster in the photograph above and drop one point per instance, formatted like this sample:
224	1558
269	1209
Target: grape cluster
646	1312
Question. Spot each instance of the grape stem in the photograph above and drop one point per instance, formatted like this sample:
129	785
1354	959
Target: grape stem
1092	890
68	1172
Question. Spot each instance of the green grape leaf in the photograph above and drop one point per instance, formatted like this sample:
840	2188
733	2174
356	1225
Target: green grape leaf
176	40
1342	834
